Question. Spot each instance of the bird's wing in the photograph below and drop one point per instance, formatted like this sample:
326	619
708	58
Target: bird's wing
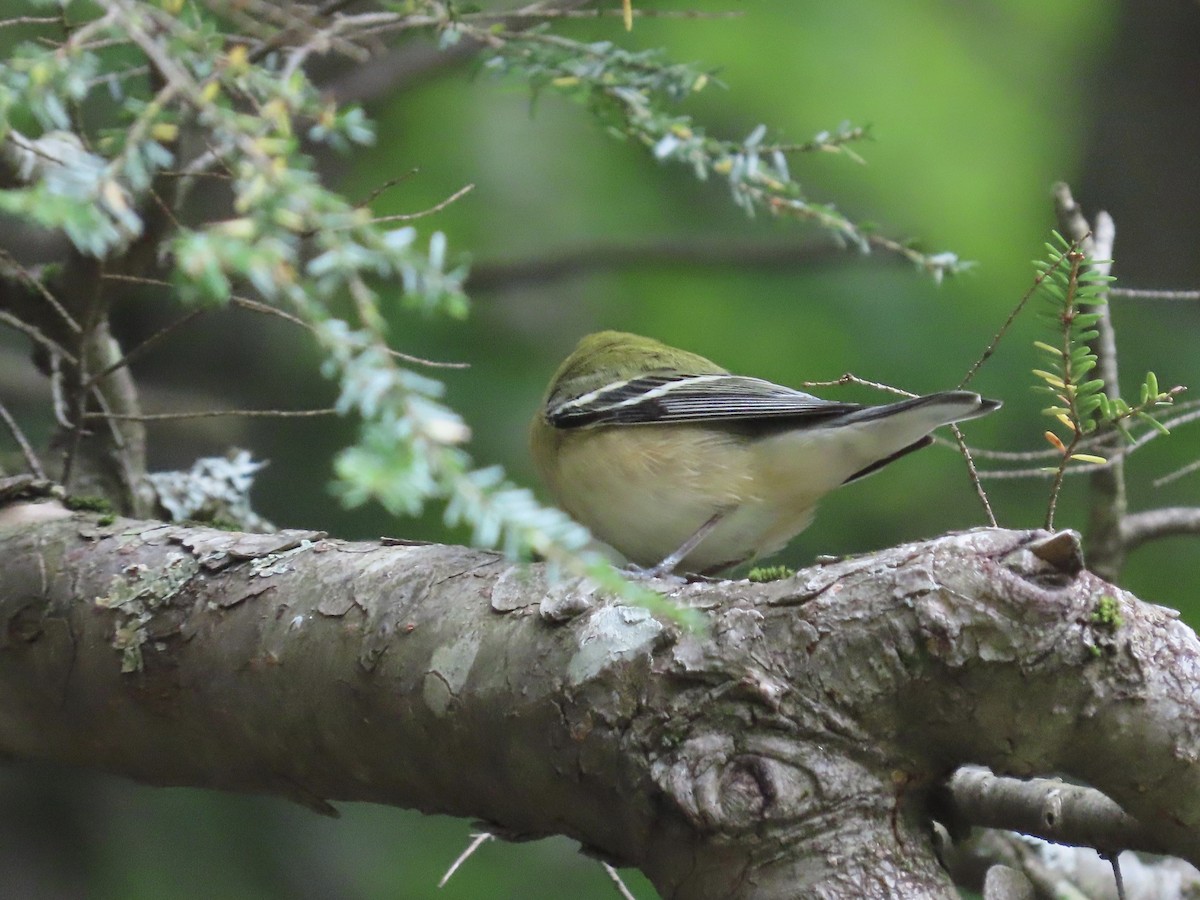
678	397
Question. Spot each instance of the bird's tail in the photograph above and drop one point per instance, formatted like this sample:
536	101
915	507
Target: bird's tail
937	409
902	427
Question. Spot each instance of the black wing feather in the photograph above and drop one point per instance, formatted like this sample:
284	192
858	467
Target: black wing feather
673	397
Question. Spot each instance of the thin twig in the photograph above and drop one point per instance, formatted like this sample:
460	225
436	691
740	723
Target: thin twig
29	280
184	173
1141	294
112	78
281	37
387	185
166	209
416	61
1044	472
408	217
640	13
1177	474
34	333
234	299
613	874
145	345
84	34
267	309
1005	455
477	840
1192	415
29	20
373	24
974	474
850	378
1114	860
216	413
14	429
830	143
690	253
1016	311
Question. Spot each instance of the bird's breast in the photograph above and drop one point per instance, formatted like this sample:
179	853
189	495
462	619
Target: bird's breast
645	489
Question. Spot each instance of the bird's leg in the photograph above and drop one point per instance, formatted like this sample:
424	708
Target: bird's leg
667	566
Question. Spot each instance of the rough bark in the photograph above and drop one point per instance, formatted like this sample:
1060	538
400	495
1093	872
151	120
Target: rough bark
789	751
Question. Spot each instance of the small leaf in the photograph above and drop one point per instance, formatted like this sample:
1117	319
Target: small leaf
1149	419
1055	441
1049	377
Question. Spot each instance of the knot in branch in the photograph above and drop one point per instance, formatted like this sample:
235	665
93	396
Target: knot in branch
724	789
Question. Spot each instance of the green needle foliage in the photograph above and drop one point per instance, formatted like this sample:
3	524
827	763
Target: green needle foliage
1074	293
635	95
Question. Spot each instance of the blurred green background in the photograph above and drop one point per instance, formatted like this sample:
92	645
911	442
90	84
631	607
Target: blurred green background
974	108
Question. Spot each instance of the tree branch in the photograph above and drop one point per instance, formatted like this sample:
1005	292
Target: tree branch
811	721
411	64
690	253
1170	521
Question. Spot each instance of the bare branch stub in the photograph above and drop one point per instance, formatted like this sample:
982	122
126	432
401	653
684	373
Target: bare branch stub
1047	808
1168	521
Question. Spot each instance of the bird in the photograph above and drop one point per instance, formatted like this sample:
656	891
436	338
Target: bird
684	468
